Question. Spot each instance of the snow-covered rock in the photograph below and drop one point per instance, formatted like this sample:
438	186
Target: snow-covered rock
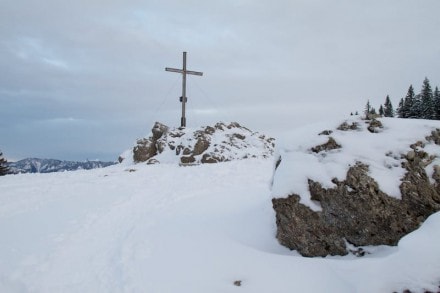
390	185
210	144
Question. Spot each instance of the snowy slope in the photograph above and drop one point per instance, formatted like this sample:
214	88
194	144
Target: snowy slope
164	228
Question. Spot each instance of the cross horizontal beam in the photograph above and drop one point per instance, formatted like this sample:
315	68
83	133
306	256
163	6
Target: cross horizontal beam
184	71
183	98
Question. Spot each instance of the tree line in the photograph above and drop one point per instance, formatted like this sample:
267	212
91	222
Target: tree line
3	165
424	105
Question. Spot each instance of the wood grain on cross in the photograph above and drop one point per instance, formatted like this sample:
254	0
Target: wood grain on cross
183	98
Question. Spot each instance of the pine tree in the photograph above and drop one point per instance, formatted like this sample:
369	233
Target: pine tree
426	97
367	109
3	165
417	109
381	112
408	104
388	109
373	111
400	109
436	104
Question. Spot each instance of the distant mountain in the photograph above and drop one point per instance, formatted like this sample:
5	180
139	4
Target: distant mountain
35	165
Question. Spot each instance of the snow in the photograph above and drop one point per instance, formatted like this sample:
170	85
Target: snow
165	228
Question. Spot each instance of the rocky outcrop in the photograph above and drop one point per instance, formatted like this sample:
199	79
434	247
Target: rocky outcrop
356	211
211	144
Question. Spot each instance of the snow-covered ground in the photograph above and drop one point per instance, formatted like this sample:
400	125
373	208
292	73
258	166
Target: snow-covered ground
165	228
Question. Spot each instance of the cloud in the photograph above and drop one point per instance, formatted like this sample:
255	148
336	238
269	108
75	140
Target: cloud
104	61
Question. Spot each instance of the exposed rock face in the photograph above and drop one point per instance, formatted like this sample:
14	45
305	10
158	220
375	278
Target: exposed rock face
222	142
357	211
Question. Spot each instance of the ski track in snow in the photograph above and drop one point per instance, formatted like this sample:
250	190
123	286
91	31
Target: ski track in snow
165	228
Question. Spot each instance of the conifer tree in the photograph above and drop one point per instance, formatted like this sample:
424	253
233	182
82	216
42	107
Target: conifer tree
381	111
388	109
408	104
400	109
436	104
426	99
417	109
367	109
3	165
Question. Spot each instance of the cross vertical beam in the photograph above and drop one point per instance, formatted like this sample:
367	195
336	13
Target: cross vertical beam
183	98
183	119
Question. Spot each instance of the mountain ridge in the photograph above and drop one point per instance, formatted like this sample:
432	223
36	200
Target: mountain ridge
38	165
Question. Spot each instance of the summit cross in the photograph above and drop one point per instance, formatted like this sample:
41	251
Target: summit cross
183	98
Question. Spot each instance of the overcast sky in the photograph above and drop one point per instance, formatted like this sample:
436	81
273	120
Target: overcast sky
83	79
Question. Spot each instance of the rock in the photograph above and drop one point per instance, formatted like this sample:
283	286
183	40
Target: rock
239	136
147	148
187	159
357	211
417	145
435	136
158	130
436	175
326	132
211	158
331	144
201	145
374	126
410	155
144	150
345	126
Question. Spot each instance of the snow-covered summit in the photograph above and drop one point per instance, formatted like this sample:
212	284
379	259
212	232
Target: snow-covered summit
208	144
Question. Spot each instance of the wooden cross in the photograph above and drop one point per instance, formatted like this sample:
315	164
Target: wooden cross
183	98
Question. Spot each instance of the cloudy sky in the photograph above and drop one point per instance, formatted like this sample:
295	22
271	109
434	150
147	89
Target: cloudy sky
83	79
